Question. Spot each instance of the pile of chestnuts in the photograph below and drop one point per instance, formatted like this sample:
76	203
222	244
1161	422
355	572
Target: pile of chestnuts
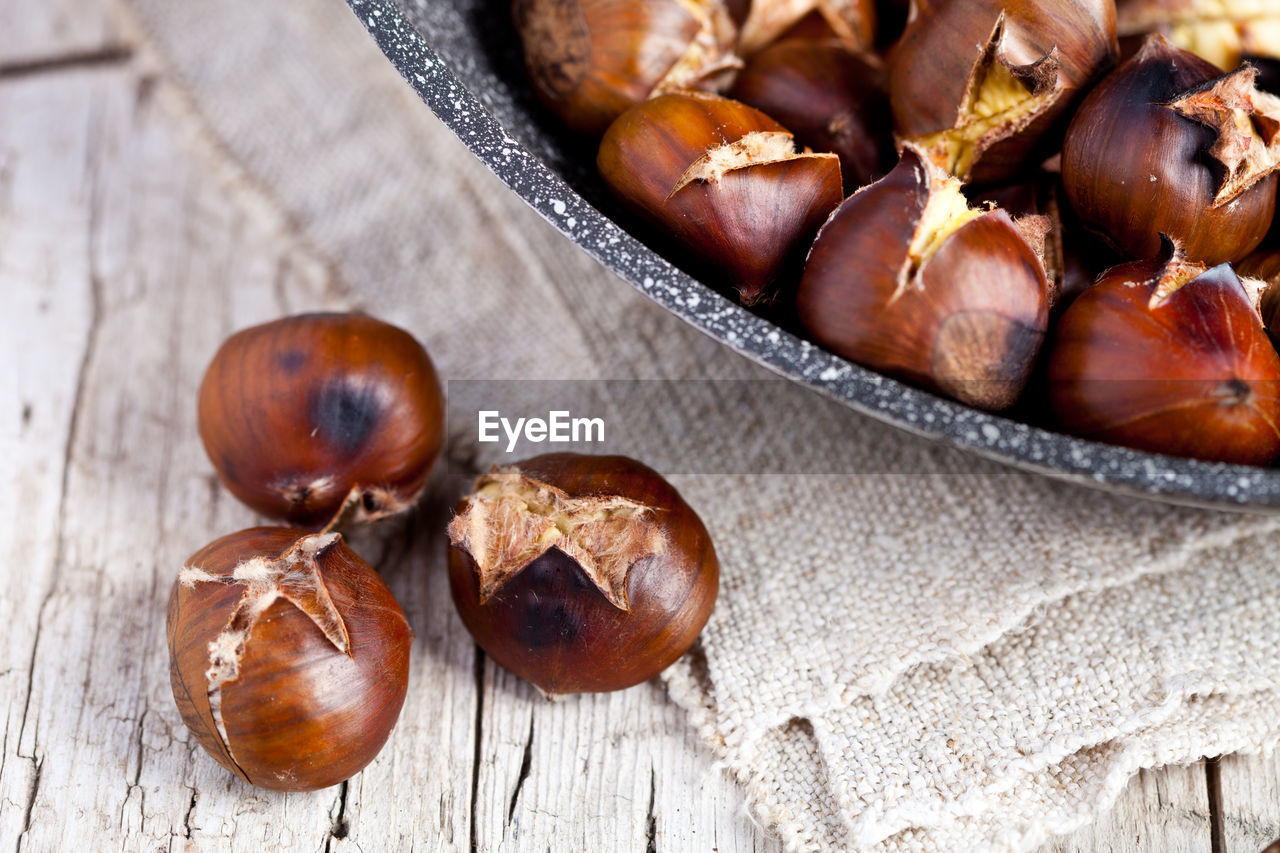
289	656
1055	208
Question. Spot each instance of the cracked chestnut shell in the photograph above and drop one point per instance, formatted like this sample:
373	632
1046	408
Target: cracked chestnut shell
288	657
310	415
980	85
851	22
1169	356
726	182
591	60
832	98
1166	144
581	573
905	278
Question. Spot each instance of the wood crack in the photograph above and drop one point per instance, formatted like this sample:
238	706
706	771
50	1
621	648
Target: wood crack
478	671
107	56
191	808
339	827
135	785
33	791
525	761
1217	830
651	821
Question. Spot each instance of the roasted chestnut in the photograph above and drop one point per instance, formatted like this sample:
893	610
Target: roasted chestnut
979	84
1169	355
726	182
1221	31
305	416
581	573
830	97
851	22
590	60
906	278
1073	258
288	657
1167	145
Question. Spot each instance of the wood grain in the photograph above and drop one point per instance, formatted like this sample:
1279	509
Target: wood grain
1250	794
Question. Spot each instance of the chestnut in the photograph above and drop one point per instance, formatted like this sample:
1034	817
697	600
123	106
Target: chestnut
1073	257
288	657
907	279
980	85
591	60
1166	144
830	97
1168	355
725	181
581	573
852	22
310	415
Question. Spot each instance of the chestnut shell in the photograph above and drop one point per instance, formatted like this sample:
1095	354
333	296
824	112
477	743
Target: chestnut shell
1134	169
752	226
931	64
970	320
301	715
831	98
298	412
591	60
552	626
1193	375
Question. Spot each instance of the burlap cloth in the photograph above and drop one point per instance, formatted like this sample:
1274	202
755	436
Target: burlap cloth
948	656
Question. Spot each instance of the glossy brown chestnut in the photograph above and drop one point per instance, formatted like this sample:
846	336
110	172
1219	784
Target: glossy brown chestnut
907	279
306	415
830	97
591	60
1073	257
1221	31
581	573
981	84
1168	356
288	657
725	181
1165	144
852	22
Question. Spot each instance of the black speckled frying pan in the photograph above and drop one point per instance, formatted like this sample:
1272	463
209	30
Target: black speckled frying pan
463	58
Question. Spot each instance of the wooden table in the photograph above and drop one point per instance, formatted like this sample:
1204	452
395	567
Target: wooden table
128	247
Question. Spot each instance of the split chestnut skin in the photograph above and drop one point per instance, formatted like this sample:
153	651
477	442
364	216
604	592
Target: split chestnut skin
581	573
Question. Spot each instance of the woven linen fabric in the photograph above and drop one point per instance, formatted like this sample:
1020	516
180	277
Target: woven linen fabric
934	654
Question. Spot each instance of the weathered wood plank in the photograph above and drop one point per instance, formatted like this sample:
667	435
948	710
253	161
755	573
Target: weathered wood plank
142	266
44	272
1161	811
1250	806
620	771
